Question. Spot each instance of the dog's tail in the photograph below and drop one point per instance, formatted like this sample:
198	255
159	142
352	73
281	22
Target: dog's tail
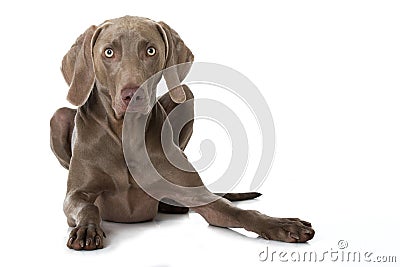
239	196
172	209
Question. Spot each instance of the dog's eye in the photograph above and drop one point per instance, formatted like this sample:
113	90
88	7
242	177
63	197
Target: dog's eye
151	51
108	52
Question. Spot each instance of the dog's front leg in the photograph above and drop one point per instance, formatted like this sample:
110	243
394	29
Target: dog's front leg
84	216
82	213
165	172
223	214
186	188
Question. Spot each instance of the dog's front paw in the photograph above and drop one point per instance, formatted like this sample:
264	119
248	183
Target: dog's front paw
86	237
290	230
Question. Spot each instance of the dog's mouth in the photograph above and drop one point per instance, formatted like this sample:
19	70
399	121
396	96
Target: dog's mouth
138	97
126	100
127	94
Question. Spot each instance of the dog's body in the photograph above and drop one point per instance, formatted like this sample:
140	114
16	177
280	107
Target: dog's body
104	69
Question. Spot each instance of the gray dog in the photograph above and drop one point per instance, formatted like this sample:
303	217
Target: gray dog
104	69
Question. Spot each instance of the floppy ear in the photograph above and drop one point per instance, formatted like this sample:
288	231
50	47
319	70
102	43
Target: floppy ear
176	53
77	67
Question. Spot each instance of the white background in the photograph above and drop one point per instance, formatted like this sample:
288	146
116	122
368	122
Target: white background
329	71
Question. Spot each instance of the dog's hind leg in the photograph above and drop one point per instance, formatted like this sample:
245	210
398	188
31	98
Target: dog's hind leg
61	127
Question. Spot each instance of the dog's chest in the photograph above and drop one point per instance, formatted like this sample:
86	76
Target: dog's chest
127	203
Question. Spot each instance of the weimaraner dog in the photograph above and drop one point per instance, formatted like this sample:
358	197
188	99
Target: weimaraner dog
104	68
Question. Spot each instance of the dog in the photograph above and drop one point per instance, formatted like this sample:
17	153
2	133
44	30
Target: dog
104	69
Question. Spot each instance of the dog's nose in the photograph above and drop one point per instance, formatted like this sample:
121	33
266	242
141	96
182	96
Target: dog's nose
127	94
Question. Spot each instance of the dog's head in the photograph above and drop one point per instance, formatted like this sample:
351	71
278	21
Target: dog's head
119	56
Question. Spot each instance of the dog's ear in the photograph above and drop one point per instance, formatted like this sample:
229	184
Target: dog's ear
78	69
176	53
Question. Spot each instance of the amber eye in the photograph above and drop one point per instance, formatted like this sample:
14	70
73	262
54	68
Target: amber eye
151	51
108	52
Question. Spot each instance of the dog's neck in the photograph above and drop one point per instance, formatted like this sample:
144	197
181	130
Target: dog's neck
100	106
98	110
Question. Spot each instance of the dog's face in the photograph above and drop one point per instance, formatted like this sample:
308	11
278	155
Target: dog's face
126	53
119	56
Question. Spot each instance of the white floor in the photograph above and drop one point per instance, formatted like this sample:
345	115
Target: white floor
40	233
186	240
